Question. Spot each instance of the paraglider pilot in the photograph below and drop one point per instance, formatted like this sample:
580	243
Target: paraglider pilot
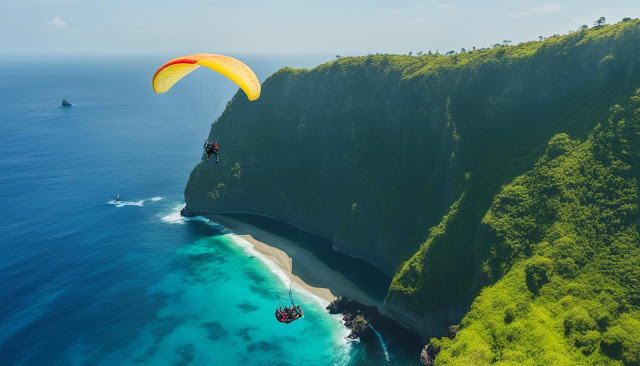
211	147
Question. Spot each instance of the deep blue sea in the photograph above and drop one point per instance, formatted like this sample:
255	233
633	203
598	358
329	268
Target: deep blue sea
84	280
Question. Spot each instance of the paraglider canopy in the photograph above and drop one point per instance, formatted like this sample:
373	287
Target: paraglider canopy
174	70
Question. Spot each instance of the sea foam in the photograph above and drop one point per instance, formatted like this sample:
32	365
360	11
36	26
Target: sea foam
126	203
176	218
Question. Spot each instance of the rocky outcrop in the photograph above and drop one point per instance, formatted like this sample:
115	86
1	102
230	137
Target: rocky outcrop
429	351
452	331
355	317
65	103
428	355
342	305
359	328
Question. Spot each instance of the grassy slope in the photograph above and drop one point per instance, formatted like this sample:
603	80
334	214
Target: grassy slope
559	244
563	239
501	138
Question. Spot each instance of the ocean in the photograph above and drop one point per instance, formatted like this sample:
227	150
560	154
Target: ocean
88	280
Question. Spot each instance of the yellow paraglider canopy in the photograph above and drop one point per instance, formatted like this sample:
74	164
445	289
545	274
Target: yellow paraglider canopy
174	70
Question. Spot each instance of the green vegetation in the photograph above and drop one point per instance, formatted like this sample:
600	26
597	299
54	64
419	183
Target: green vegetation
563	241
497	183
504	120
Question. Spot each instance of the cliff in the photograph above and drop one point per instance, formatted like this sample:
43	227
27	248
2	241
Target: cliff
402	160
561	249
347	149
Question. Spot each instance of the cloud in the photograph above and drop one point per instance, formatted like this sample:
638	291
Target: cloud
58	22
544	9
445	6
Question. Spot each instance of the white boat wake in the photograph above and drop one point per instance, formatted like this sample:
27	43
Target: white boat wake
140	203
126	203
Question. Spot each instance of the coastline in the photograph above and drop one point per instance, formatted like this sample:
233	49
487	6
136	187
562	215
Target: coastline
298	264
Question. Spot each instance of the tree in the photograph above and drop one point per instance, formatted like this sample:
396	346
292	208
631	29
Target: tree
541	38
463	50
506	42
626	19
450	53
584	27
600	22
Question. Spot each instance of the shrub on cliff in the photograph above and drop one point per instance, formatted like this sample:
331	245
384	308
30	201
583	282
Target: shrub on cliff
580	272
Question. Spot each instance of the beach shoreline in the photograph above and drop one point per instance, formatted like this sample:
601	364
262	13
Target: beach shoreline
298	264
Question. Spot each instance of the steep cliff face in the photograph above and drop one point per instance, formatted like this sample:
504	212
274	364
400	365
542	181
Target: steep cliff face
397	159
347	150
562	85
563	245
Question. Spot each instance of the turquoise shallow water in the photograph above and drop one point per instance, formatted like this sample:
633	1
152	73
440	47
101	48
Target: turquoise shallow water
218	309
87	281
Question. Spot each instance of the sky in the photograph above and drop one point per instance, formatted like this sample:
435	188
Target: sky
346	27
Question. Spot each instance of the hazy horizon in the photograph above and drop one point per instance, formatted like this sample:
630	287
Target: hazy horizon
287	27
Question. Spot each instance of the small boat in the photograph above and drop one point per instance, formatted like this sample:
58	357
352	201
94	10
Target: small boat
118	198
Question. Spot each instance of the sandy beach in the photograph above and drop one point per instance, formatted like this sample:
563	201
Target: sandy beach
299	264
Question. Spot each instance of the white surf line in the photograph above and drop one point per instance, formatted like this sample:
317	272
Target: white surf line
279	272
173	218
273	267
382	344
177	218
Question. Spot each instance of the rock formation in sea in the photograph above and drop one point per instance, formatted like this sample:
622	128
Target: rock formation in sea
356	316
